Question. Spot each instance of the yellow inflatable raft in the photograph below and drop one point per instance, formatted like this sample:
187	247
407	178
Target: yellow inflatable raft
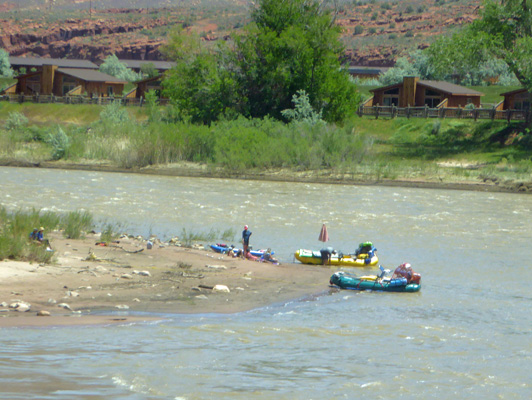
349	260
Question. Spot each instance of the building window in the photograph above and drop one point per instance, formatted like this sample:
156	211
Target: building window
389	101
522	105
33	83
390	97
522	101
432	98
68	84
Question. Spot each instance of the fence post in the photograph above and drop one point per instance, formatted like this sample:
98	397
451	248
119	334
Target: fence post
408	111
377	112
475	113
394	111
426	111
141	101
508	115
492	113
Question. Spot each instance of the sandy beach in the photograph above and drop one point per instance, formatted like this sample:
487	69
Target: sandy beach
85	279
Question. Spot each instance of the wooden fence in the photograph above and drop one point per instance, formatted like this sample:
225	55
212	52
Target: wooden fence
373	111
444	112
20	98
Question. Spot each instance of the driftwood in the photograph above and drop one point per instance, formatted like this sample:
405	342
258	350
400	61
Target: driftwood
206	287
131	252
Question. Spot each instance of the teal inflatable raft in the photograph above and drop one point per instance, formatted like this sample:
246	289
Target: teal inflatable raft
402	280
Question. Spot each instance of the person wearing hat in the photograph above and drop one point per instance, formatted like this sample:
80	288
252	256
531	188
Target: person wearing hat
267	256
246	233
40	234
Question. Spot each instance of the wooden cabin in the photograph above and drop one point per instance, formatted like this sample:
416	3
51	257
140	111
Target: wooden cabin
519	99
145	85
136	65
69	81
363	72
413	92
30	64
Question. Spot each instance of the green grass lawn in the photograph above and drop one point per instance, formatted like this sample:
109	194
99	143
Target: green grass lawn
47	114
492	94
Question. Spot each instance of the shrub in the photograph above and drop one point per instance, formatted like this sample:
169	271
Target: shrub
114	113
358	30
303	111
109	233
14	234
16	120
76	223
60	143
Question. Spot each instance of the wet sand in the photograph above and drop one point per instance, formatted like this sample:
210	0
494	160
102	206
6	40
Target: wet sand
90	284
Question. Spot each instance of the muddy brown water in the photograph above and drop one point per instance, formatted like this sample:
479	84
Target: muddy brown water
466	334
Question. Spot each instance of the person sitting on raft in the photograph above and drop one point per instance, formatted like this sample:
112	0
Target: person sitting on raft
250	256
267	256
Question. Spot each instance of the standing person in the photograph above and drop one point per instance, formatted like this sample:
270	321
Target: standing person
246	233
326	255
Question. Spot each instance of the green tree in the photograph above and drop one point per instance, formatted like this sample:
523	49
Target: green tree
114	67
5	65
149	71
294	45
503	32
359	29
202	84
291	45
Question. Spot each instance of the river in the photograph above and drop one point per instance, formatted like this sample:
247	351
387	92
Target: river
466	334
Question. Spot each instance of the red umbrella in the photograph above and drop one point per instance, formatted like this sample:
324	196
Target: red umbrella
324	236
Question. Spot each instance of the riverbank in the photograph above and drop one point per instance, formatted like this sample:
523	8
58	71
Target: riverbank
88	283
449	180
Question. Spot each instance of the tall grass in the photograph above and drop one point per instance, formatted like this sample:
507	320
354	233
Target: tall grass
14	234
15	228
188	238
76	223
363	147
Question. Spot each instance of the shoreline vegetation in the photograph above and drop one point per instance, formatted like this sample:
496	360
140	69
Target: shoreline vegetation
440	154
453	154
107	278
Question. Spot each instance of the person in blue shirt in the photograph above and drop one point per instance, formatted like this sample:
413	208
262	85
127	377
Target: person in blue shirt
34	234
267	256
40	235
246	233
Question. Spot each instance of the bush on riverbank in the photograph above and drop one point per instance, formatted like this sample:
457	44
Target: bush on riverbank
16	227
360	148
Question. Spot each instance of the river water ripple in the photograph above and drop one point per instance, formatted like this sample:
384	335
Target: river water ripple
467	334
